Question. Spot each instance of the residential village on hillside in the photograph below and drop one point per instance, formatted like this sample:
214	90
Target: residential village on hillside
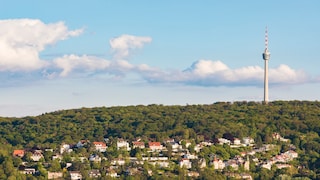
135	157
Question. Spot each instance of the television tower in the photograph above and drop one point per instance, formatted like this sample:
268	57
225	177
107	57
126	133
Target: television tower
266	57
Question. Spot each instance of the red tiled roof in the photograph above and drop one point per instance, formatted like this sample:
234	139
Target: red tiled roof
99	143
154	144
138	143
18	152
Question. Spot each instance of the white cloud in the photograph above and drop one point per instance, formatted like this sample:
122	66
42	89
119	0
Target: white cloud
21	40
284	74
123	44
68	63
204	68
216	73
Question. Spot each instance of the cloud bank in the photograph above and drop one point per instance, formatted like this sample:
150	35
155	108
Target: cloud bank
21	41
216	73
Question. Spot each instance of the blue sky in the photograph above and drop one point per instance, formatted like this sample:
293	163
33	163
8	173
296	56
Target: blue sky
72	54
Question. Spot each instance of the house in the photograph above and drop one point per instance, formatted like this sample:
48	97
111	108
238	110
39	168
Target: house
218	164
57	156
155	146
175	146
122	144
25	170
161	164
36	155
248	141
193	174
188	143
82	143
202	163
55	175
68	164
277	136
95	158
281	166
292	154
132	171
112	173
197	148
243	153
185	163
170	140
246	164
233	164
94	173
100	146
246	176
267	165
48	150
190	156
18	153
206	143
138	144
75	175
118	161
224	141
65	148
236	141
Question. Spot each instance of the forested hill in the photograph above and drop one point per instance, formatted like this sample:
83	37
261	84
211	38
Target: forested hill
296	120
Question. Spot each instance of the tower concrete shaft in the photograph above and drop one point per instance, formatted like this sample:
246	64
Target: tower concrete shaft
266	83
266	57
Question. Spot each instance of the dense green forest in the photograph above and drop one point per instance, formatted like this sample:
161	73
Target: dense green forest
298	121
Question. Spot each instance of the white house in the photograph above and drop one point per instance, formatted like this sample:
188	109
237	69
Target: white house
197	148
118	161
175	146
94	173
75	175
138	144
224	141
82	143
190	156
36	155
28	171
202	163
281	166
185	163
248	141
291	154
236	141
218	164
95	158
55	175
267	165
100	146
122	144
161	164
111	173
233	164
65	148
155	146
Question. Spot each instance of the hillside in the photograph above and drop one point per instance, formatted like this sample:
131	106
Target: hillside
295	120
